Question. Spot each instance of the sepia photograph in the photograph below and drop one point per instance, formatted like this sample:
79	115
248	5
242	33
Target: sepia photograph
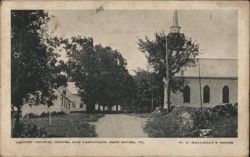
124	78
124	73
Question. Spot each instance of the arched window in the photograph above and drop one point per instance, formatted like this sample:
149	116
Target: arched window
225	94
186	94
206	94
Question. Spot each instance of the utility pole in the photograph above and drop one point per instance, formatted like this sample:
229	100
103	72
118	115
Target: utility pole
175	28
200	85
49	117
152	101
166	82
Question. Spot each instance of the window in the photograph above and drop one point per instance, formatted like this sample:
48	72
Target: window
225	94
206	94
186	94
81	105
62	101
64	92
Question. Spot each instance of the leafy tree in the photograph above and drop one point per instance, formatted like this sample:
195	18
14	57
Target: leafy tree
35	70
146	90
181	50
99	72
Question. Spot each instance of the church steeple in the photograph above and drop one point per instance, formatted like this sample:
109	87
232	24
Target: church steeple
175	28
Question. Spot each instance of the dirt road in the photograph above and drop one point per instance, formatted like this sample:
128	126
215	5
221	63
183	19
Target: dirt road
120	125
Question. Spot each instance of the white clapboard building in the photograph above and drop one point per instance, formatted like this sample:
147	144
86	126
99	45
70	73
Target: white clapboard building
215	83
68	100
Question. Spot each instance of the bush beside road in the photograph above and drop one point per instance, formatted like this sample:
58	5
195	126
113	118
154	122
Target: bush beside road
219	121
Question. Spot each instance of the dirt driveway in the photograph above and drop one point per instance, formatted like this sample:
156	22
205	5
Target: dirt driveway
120	125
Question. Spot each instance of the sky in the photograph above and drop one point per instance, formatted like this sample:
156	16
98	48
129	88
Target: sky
214	30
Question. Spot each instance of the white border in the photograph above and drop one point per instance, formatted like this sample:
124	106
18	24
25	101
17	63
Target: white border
152	146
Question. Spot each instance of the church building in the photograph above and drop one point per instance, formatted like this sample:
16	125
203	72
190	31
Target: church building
212	82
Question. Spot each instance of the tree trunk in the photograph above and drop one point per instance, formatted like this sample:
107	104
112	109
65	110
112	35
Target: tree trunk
160	102
99	107
152	102
90	108
17	128
49	117
109	107
169	95
116	107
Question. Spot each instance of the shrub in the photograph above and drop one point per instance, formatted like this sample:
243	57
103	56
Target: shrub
32	115
227	109
174	124
213	117
57	113
219	121
29	131
44	114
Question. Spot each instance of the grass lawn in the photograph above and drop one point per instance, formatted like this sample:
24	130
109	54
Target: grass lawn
68	125
179	123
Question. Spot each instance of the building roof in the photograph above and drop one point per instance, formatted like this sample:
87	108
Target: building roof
219	68
71	92
72	88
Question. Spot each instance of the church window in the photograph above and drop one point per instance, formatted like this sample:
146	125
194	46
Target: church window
206	94
186	94
225	94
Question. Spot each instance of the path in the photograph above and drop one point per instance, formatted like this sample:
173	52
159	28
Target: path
120	125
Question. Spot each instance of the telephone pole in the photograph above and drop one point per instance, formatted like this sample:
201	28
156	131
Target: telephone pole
166	82
175	28
200	84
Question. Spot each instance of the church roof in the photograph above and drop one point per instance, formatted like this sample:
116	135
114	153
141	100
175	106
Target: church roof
218	68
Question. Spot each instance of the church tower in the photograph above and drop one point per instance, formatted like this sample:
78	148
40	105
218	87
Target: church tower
175	28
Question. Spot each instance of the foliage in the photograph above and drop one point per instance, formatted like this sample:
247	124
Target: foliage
35	70
67	125
203	118
32	131
146	90
100	73
174	124
44	114
189	122
181	50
